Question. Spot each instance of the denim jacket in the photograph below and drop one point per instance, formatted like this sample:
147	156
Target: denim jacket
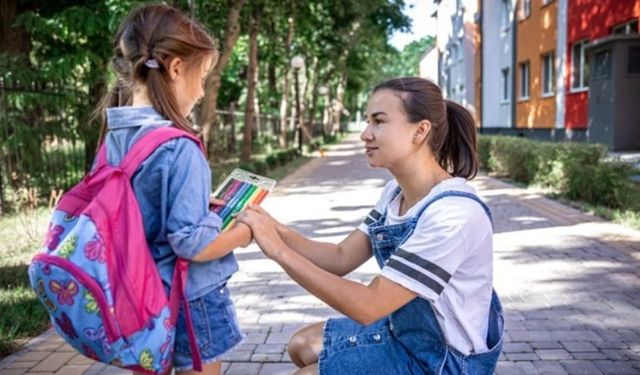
172	187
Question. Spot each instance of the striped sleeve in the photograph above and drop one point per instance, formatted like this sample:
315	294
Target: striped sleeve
425	262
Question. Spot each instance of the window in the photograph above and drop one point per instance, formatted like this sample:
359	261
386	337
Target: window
548	74
524	80
626	28
505	19
579	66
505	84
525	9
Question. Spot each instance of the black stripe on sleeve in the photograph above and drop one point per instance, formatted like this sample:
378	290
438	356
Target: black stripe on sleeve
368	221
375	214
423	263
417	276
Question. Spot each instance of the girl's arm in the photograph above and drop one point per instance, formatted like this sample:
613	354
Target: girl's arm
338	259
237	236
362	303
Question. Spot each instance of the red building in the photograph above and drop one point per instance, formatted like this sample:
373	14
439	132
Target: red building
589	20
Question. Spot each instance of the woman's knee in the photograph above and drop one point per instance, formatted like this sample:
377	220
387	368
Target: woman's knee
305	345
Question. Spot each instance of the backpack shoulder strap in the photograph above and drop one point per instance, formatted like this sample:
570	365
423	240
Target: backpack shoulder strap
146	145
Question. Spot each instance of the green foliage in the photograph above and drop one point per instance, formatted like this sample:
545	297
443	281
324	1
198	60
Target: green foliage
574	171
272	161
260	167
406	62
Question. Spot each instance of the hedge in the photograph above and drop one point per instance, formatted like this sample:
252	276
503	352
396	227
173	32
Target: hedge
576	171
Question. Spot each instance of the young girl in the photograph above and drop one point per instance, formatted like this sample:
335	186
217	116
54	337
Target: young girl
431	309
162	59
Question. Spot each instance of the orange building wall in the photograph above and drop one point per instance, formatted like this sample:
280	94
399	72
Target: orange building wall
536	36
477	40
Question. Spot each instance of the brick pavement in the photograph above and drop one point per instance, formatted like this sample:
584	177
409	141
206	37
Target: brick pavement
569	281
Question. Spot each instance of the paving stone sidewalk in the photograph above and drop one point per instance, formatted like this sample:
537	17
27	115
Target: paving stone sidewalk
569	282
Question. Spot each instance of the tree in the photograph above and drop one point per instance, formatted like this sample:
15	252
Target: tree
252	77
209	104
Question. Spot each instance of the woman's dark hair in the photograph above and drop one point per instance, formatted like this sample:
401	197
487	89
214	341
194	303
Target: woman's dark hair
162	33
452	138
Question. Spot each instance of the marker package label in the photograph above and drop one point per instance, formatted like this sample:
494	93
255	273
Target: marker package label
238	190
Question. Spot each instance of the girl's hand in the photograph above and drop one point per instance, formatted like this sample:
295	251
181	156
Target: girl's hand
213	201
264	231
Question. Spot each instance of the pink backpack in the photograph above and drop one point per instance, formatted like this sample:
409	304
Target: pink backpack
97	278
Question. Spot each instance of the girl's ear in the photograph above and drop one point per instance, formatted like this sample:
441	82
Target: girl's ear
421	131
176	67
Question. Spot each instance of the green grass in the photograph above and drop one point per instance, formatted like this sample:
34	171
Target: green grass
21	314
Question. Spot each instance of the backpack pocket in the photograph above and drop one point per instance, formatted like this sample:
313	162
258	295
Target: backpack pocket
77	306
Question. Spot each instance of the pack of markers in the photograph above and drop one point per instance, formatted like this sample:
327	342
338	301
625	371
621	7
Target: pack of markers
238	190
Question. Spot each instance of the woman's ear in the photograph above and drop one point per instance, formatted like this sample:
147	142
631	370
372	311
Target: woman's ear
421	131
176	68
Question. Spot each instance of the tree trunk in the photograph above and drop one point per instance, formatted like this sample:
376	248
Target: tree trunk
282	139
313	79
232	149
14	40
337	109
209	105
252	78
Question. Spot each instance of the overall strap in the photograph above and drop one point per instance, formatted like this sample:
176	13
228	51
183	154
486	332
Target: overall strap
456	193
148	143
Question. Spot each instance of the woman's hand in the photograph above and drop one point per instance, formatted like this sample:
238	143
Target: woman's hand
264	230
266	217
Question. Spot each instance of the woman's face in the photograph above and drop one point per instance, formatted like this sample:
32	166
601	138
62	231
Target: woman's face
189	85
389	134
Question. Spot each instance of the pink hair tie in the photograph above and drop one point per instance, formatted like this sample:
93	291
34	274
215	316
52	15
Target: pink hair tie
152	63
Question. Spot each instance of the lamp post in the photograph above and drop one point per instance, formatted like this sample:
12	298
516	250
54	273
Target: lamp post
297	63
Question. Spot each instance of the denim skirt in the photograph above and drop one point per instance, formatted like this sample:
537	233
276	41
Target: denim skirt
216	327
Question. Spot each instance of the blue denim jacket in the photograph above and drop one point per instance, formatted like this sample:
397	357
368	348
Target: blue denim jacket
172	187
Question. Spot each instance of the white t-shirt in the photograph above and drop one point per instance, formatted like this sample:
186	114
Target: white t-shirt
447	260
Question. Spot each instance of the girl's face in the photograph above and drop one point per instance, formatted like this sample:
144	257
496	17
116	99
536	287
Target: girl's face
389	135
189	84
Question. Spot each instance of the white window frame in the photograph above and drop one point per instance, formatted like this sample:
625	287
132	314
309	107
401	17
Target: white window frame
505	85
625	28
525	80
525	9
505	19
582	84
548	74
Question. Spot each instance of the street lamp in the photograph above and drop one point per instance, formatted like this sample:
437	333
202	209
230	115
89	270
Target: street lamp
297	63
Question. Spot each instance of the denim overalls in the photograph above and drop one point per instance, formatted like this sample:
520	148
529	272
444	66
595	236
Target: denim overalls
409	341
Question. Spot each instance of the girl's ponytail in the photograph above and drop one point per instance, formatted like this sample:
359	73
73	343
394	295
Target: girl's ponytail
160	33
458	150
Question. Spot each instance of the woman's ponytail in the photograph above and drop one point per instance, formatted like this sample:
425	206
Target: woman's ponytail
458	150
452	139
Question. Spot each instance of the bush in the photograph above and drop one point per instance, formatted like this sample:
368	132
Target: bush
512	157
283	157
247	167
260	167
575	171
272	161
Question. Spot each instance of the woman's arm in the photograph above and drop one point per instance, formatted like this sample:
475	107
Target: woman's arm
362	303
339	259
